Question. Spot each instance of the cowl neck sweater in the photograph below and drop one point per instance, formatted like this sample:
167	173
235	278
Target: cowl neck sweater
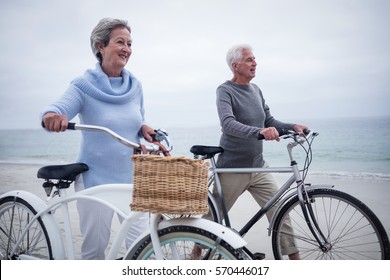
98	85
116	103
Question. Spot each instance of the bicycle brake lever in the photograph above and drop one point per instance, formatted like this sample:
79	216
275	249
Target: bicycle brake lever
162	135
160	132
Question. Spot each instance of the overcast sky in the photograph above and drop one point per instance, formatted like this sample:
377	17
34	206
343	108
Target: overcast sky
316	59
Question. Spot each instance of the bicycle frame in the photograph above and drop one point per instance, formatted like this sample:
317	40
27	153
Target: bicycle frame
280	196
268	205
114	196
117	197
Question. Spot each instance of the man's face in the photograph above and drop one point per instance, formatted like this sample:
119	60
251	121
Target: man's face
246	68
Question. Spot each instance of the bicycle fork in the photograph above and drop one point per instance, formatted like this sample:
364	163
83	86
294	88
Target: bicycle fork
154	220
307	210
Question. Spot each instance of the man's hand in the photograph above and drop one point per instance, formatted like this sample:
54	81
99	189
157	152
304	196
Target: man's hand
270	133
300	128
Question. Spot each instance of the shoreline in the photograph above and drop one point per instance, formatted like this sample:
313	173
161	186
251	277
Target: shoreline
375	194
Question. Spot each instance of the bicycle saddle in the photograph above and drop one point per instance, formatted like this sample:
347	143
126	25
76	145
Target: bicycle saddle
208	151
66	172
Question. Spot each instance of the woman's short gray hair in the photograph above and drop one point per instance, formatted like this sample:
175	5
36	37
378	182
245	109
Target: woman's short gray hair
234	54
102	31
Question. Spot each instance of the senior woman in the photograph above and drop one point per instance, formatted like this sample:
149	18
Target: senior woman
109	96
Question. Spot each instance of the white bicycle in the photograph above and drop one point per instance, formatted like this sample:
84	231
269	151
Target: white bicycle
31	228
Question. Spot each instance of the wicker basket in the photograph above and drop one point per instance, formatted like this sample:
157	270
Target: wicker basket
171	185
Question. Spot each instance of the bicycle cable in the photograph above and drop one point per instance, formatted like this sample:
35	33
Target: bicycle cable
308	158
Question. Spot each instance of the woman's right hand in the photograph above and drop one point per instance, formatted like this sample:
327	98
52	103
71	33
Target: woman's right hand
55	122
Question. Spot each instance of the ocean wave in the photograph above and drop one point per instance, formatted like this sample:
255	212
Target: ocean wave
364	176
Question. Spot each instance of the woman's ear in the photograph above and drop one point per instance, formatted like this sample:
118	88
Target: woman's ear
100	47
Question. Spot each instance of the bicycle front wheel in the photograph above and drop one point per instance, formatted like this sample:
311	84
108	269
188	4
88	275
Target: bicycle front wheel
351	230
179	242
15	215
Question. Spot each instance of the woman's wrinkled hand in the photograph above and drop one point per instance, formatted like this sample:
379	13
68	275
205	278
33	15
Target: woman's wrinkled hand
55	122
148	133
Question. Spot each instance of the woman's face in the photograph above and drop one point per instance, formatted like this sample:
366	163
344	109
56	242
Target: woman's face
117	52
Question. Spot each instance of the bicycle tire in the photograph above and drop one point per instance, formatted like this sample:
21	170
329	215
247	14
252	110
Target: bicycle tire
15	214
353	231
177	242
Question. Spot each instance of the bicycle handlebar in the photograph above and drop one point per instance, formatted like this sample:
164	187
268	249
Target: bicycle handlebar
161	135
283	132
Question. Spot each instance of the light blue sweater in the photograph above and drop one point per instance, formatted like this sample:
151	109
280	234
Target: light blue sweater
116	103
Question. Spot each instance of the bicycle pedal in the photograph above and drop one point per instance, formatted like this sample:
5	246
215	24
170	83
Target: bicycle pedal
258	256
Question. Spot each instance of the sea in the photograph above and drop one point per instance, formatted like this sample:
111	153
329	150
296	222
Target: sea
345	148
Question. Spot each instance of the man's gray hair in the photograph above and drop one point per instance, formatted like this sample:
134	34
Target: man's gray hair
101	33
234	54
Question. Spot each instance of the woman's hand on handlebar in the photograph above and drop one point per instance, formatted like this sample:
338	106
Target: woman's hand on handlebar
148	133
55	122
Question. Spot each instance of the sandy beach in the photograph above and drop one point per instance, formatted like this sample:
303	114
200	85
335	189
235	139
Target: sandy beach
375	194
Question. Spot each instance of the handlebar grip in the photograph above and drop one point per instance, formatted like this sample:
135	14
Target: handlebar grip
260	137
71	125
281	132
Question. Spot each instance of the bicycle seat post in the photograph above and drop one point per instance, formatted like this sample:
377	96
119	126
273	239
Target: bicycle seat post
67	226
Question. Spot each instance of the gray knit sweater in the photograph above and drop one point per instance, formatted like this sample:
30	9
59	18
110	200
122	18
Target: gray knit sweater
243	113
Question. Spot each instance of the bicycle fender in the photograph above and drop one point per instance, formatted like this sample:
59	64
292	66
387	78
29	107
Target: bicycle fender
47	218
225	233
288	197
213	201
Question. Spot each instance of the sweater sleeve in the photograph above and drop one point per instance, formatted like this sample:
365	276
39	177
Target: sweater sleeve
270	121
69	104
229	123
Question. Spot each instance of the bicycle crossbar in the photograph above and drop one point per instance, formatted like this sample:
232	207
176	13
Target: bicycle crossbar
255	170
